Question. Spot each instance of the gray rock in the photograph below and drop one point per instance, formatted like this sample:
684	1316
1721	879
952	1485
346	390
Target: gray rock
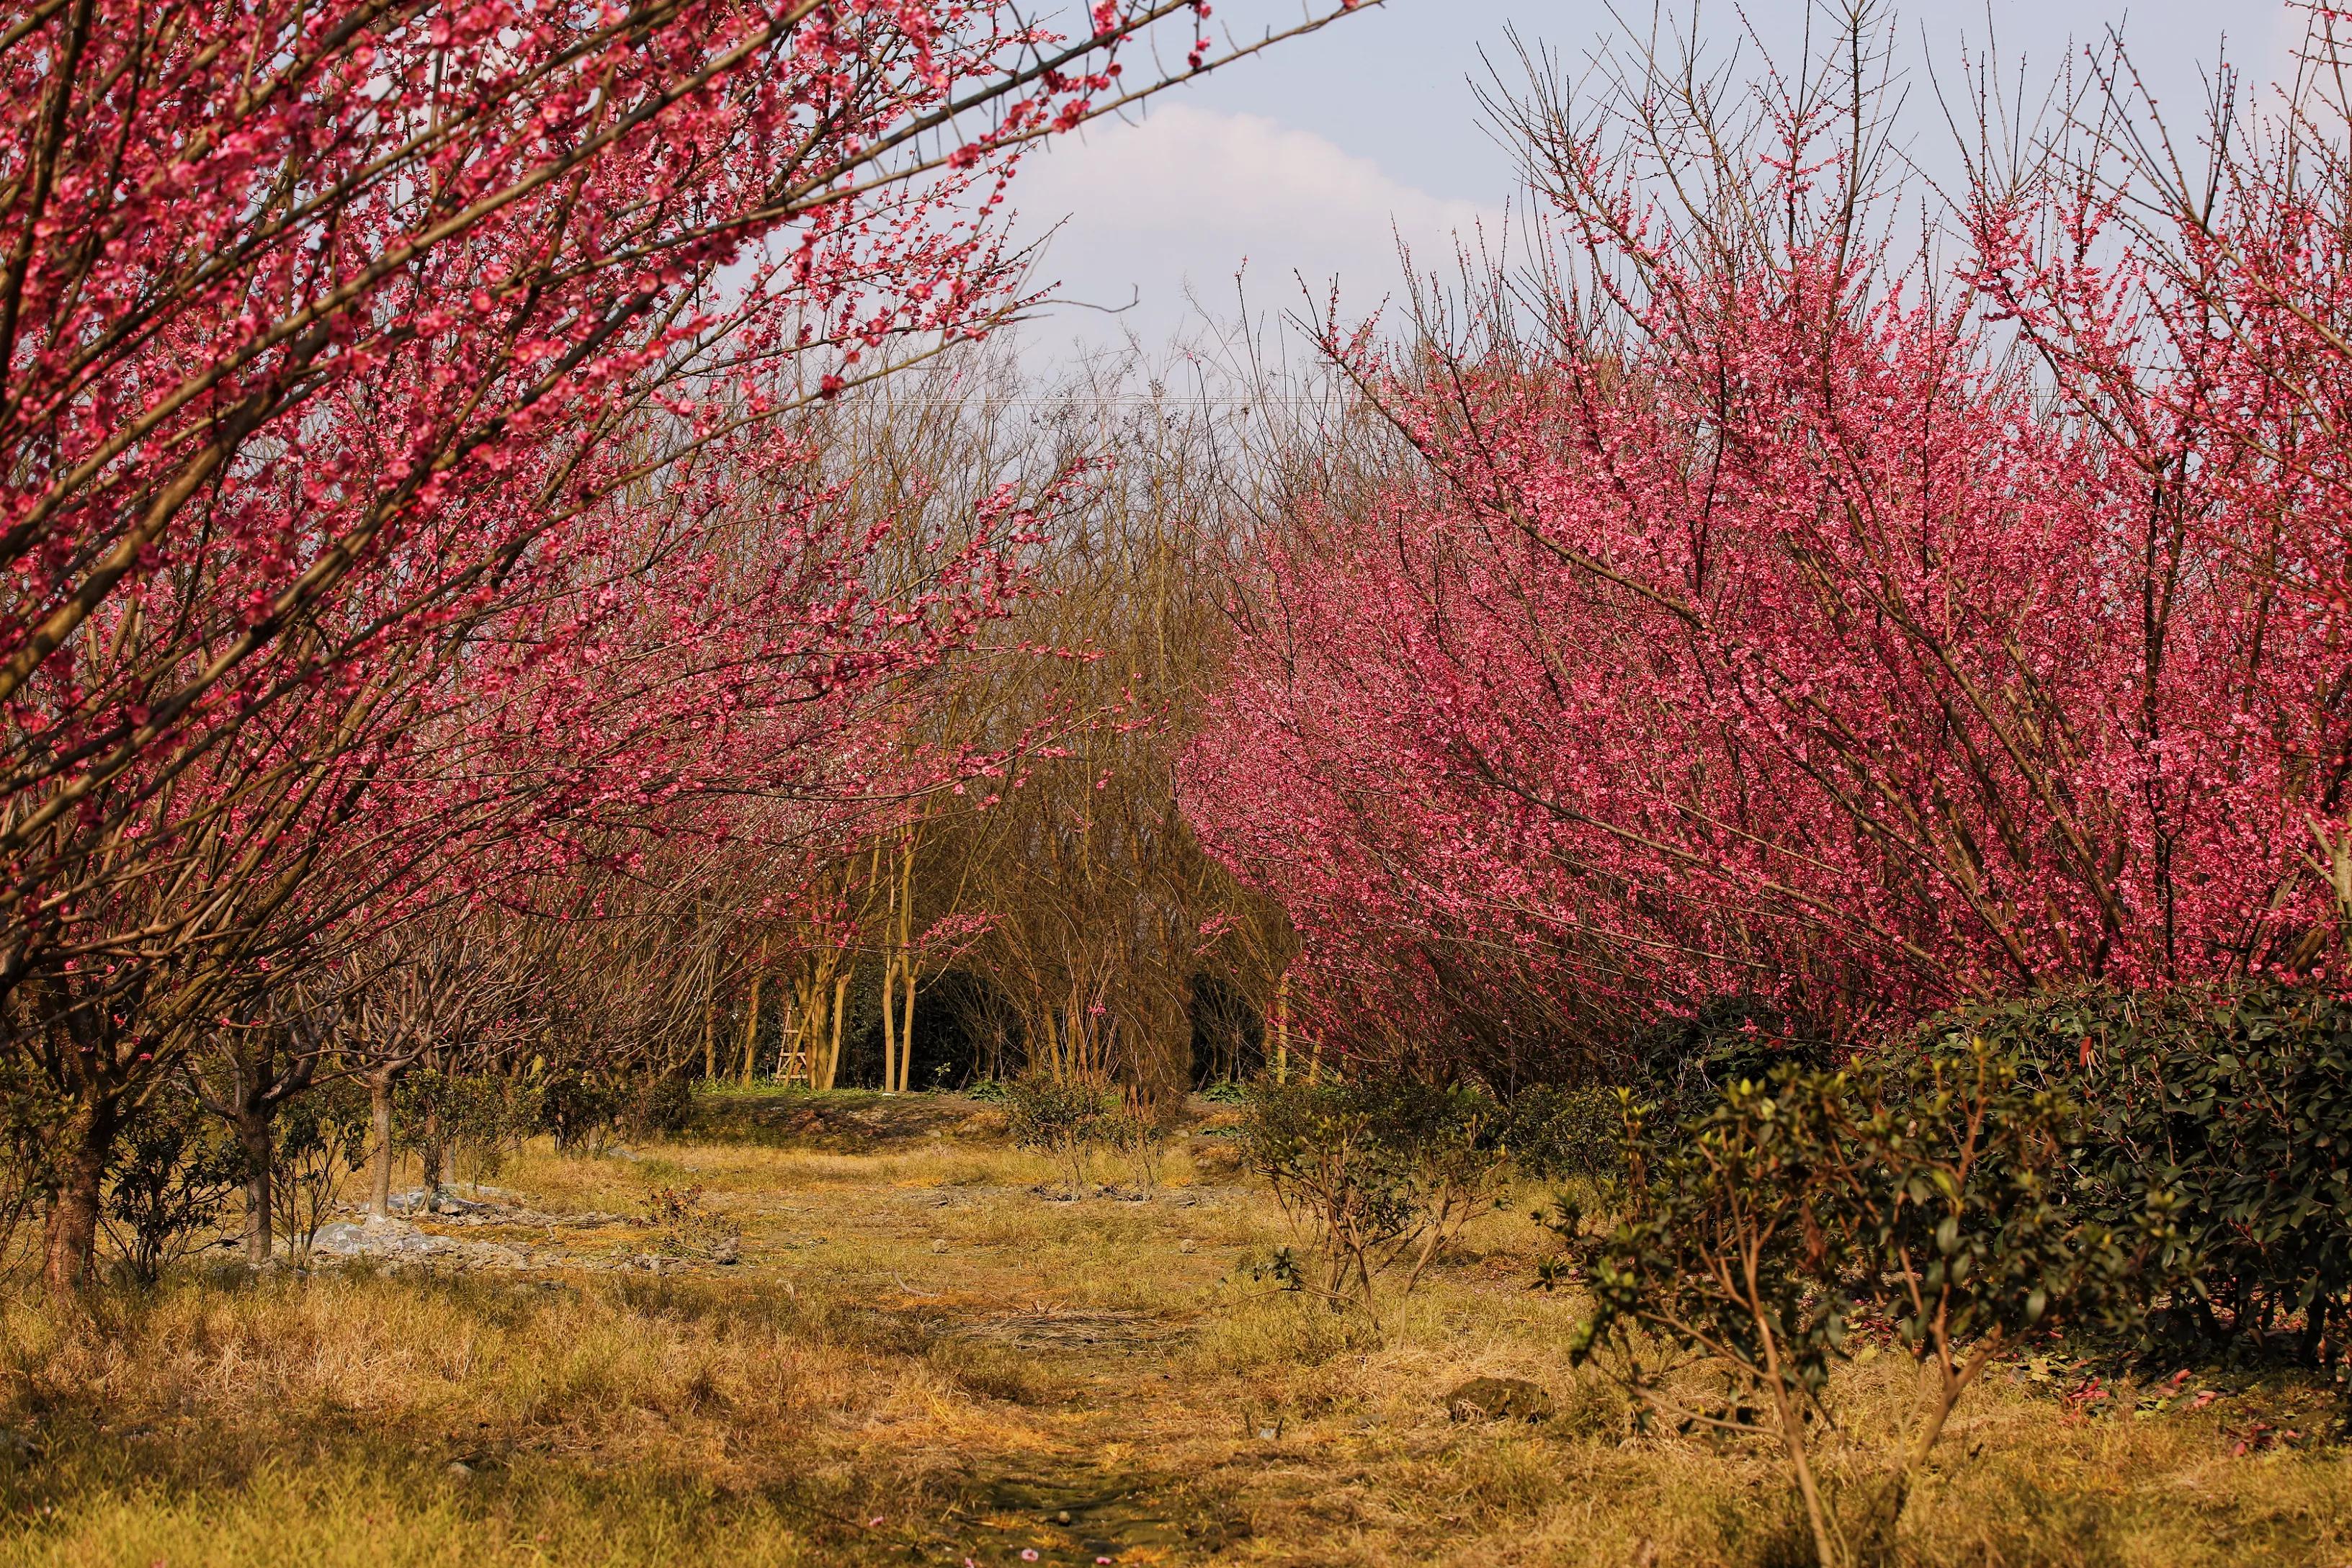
375	1239
421	1201
1499	1399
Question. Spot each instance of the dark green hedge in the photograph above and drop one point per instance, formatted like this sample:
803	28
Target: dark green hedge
2228	1112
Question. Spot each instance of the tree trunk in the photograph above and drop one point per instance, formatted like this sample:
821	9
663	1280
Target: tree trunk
380	1153
710	1039
907	1031
752	1026
253	1134
431	1149
72	1237
832	1043
889	1025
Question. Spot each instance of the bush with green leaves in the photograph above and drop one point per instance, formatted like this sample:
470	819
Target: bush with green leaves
1682	1064
656	1105
1139	1134
576	1110
1922	1187
1379	1173
173	1171
32	1113
1555	1134
2230	1111
322	1139
468	1122
1065	1120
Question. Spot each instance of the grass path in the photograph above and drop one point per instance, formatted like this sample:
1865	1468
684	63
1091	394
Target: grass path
919	1358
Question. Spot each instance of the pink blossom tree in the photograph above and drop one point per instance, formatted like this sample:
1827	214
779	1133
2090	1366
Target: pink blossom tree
1733	614
366	373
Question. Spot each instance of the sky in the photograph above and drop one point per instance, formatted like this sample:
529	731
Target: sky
1311	161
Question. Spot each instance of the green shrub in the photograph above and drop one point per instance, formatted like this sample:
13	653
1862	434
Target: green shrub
173	1171
2230	1111
663	1105
575	1110
469	1121
1065	1121
1381	1173
1924	1187
1139	1134
322	1138
32	1111
1684	1064
1553	1133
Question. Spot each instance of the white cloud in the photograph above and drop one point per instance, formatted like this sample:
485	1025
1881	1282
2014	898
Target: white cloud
1189	194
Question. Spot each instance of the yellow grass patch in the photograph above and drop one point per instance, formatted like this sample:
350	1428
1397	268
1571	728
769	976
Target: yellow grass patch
916	1336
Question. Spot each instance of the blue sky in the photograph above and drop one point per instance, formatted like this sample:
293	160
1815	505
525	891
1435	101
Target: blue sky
1306	160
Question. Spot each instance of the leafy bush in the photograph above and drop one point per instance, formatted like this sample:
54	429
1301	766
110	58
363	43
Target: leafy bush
990	1091
1064	1121
657	1106
1553	1133
1684	1065
1139	1134
1226	1092
2229	1112
1381	1173
322	1138
31	1112
468	1122
575	1110
1923	1188
174	1169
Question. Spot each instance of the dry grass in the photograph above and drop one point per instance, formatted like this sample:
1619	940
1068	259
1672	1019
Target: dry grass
922	1360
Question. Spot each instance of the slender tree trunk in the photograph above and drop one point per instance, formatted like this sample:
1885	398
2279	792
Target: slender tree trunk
1827	1548
906	1030
72	1237
380	1149
751	1027
889	1025
253	1136
905	963
709	1035
833	1047
431	1172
